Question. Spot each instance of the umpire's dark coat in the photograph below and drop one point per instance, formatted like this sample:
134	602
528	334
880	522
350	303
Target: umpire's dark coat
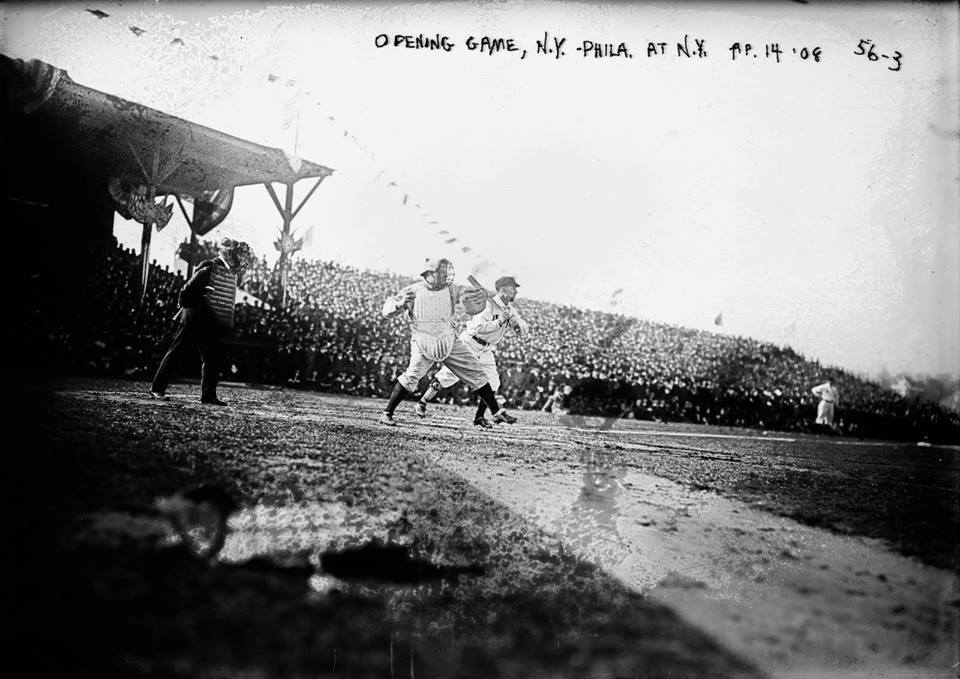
198	330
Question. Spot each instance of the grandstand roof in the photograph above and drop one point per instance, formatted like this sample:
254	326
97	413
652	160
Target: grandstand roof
123	139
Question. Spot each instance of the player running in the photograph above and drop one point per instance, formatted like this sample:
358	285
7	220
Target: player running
430	304
481	336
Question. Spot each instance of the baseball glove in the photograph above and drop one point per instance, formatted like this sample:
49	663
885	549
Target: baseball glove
474	301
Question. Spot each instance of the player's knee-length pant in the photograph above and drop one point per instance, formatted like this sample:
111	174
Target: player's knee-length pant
825	413
460	361
487	361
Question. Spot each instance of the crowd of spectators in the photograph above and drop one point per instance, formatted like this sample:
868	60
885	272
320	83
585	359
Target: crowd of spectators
329	335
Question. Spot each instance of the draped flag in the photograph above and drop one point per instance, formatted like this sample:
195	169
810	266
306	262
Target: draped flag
308	237
210	208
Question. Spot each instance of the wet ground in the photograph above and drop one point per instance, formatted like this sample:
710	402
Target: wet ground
558	547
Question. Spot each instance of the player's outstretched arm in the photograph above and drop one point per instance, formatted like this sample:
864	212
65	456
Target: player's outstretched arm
397	303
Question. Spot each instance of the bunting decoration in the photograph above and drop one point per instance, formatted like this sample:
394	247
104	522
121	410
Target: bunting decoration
131	202
210	208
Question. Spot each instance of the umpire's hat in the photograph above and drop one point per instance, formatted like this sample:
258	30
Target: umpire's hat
504	281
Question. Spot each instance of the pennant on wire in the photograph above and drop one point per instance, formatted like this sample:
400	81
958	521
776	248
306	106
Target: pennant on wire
444	232
465	249
98	13
719	319
450	240
137	31
272	78
177	41
405	198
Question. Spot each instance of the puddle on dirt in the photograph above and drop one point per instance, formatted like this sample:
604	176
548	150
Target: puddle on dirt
329	544
309	526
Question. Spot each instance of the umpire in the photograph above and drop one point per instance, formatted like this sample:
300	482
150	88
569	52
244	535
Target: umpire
206	317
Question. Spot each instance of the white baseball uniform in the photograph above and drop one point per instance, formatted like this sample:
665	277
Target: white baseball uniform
433	339
829	395
481	336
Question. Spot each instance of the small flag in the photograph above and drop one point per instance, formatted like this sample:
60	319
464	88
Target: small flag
719	319
405	199
214	57
137	31
272	78
450	240
176	41
444	232
97	13
465	249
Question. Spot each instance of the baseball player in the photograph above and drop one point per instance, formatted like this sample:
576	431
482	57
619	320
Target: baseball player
829	396
481	336
430	304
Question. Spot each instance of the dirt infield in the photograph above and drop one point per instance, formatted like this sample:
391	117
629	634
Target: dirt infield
557	547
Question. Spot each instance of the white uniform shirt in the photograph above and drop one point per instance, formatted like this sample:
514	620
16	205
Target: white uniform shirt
827	393
486	325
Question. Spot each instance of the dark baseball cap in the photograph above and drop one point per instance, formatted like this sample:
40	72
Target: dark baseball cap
503	281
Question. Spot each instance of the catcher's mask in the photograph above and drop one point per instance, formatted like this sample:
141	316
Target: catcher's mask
236	253
439	272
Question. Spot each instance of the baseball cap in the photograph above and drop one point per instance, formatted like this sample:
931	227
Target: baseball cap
506	280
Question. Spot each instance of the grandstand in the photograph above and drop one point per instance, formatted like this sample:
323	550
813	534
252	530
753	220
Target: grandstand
329	336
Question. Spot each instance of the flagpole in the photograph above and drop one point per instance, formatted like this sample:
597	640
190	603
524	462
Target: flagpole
296	132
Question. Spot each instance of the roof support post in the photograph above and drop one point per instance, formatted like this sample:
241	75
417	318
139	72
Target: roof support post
193	235
284	238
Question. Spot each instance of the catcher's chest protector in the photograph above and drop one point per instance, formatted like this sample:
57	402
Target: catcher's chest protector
433	305
221	296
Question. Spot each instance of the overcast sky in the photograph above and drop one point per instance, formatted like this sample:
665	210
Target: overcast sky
815	204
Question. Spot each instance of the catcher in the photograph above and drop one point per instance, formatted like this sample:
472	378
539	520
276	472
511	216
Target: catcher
430	305
481	336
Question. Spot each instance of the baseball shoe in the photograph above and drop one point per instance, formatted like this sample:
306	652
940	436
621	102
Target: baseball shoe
387	419
212	402
482	422
159	395
420	408
504	416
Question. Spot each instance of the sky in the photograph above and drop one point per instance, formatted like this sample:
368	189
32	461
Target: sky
812	202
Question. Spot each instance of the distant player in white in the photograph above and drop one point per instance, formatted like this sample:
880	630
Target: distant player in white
430	304
481	336
829	396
